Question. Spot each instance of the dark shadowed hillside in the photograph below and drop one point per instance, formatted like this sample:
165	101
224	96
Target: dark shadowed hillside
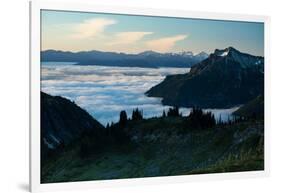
62	122
226	78
162	147
252	109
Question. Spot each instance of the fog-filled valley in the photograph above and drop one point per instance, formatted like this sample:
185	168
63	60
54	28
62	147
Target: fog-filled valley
104	91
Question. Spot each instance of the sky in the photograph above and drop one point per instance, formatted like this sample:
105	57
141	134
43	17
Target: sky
80	31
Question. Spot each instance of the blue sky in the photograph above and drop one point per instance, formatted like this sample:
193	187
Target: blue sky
78	31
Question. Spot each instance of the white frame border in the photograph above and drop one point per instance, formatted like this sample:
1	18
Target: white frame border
35	47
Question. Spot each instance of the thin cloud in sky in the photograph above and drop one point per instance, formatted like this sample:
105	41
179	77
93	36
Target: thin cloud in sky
78	31
165	44
95	28
124	38
91	28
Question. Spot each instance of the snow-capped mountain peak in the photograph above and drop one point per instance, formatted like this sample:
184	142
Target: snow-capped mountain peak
225	52
202	55
242	58
149	53
186	53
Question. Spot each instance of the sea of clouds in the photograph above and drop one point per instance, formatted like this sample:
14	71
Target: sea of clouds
105	91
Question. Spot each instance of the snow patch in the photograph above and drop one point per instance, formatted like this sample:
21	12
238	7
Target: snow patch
258	62
55	139
49	145
224	53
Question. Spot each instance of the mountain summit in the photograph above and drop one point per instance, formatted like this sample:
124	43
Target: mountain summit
225	52
242	58
226	78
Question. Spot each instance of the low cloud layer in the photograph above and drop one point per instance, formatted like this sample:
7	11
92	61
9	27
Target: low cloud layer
105	91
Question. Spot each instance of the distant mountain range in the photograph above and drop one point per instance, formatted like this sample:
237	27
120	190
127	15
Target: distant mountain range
144	59
226	78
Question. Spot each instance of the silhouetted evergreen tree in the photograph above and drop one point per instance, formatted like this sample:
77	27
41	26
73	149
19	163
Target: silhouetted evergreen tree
198	119
173	112
164	113
220	121
123	118
107	130
118	131
137	114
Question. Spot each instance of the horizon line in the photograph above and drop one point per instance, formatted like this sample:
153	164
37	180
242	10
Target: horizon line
136	53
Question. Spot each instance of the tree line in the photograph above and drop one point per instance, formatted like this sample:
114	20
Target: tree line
117	134
196	119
